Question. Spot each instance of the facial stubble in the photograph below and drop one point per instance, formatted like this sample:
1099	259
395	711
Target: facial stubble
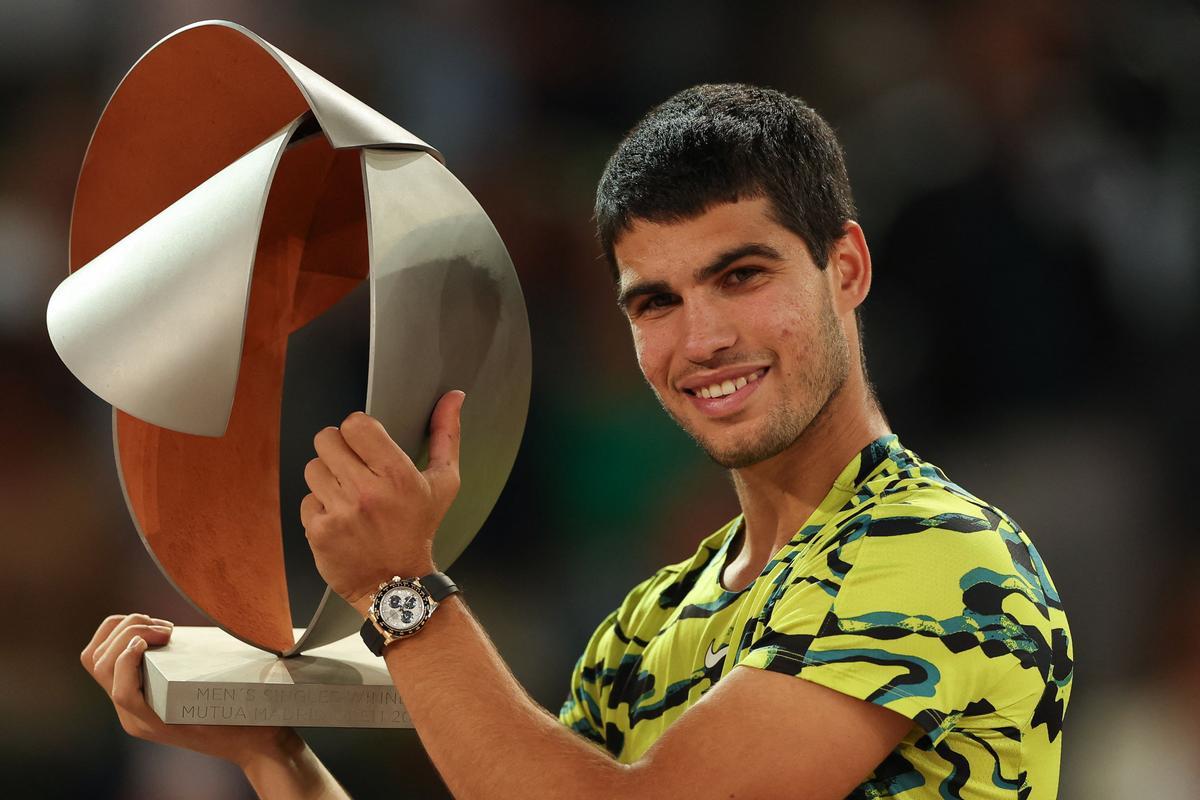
821	376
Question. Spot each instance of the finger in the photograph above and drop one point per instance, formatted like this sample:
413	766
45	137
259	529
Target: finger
445	436
445	428
154	635
115	632
127	676
87	657
310	507
372	444
98	644
341	460
322	482
136	715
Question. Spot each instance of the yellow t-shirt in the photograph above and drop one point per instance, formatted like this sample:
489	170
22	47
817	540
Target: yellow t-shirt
902	589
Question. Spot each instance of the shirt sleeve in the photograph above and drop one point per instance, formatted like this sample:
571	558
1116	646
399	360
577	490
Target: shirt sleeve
581	710
613	638
903	612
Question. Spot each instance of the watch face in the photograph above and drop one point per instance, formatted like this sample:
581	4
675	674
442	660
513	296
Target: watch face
402	608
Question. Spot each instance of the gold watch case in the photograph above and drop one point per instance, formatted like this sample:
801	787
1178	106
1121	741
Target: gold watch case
400	608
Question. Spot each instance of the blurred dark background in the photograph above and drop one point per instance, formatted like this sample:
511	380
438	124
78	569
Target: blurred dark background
1028	175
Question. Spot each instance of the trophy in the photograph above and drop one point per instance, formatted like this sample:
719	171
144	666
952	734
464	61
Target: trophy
228	197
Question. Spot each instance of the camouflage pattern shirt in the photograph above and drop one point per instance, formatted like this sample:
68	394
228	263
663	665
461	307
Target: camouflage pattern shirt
902	589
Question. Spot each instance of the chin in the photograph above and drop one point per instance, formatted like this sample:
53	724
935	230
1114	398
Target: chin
740	458
753	442
752	439
747	451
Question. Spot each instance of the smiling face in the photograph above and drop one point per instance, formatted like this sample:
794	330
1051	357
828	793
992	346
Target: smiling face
735	328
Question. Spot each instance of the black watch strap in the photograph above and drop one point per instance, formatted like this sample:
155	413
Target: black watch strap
371	637
438	584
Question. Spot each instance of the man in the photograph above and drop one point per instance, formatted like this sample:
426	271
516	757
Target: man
933	654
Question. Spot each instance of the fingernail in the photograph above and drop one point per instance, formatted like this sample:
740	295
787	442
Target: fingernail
161	628
165	622
136	643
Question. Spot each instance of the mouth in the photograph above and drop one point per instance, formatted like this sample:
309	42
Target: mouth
726	387
727	396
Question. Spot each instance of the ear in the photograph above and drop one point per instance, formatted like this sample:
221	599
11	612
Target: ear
849	269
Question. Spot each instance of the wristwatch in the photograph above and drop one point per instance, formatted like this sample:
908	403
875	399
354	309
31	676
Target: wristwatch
402	606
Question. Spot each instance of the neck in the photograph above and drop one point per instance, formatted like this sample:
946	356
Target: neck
779	494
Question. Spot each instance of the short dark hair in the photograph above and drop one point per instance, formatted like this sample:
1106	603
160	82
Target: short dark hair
719	143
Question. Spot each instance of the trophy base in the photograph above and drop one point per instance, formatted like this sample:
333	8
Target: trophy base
207	677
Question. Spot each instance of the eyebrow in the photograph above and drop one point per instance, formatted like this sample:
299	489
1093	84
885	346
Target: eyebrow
632	292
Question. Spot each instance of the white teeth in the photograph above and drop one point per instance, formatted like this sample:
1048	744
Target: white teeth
727	387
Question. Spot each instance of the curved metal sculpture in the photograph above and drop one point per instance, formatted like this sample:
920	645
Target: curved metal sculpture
229	196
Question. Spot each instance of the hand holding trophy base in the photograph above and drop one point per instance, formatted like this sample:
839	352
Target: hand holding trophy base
228	197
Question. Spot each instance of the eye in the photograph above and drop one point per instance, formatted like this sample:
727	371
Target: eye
656	302
741	275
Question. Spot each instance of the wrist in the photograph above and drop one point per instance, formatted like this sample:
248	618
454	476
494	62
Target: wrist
284	766
362	603
281	747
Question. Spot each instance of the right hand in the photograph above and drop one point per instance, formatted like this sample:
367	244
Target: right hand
114	657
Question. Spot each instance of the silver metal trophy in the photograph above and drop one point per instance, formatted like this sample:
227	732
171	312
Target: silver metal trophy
228	197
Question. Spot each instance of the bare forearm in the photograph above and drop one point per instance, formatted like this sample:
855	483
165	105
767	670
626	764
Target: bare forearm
291	770
372	512
486	736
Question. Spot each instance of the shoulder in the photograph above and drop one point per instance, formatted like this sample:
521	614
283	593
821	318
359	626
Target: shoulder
915	511
916	542
936	561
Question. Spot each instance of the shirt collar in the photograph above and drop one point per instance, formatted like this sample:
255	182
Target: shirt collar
867	461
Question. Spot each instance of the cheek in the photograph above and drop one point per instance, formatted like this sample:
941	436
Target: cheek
795	339
651	355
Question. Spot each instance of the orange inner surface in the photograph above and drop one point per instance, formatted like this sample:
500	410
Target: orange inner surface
208	508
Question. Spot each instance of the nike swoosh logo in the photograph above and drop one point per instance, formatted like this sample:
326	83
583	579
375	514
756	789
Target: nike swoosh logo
714	657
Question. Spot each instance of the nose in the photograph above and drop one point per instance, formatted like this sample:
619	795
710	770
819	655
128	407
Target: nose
707	330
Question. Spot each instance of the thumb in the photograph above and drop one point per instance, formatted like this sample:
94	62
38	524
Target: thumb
445	434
